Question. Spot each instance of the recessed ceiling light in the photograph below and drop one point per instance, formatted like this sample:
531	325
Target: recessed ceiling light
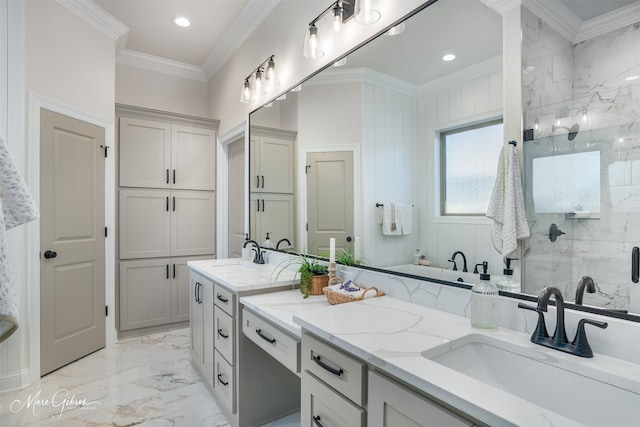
449	57
630	78
181	21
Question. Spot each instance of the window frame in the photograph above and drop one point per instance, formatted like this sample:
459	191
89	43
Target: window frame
443	161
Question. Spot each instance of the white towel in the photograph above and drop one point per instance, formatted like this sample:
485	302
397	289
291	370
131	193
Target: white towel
506	207
397	219
16	207
405	214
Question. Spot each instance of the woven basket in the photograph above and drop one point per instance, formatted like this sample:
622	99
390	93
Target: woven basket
339	298
318	283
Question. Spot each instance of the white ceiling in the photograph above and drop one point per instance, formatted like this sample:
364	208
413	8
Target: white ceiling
220	26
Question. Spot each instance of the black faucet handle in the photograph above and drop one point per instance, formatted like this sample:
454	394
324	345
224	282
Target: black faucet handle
580	342
455	266
540	332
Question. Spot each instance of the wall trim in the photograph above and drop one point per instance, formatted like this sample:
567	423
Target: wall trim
36	103
363	76
160	65
222	185
99	19
13	381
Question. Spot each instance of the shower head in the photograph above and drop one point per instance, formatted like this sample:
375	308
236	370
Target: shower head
573	130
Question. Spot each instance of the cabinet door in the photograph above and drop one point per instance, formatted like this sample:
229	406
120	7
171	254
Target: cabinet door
254	217
145	226
276	165
193	158
192	223
208	319
195	292
144	153
180	295
321	406
276	218
145	293
392	405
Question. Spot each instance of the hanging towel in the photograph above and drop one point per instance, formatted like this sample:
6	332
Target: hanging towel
506	207
16	207
397	219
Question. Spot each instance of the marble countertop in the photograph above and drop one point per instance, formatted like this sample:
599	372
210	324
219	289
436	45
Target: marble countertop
240	275
390	334
280	307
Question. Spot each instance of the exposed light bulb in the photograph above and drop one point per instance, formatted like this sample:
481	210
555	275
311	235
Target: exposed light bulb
449	57
537	125
367	11
312	47
340	62
337	17
258	85
245	94
271	74
397	29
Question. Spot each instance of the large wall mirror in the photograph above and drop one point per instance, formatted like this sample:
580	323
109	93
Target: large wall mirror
395	151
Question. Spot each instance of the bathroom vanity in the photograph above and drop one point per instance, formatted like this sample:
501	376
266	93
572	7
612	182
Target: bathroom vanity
391	362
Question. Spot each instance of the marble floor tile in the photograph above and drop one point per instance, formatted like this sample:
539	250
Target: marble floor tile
140	381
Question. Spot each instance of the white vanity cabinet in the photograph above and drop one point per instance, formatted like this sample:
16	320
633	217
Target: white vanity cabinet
202	324
393	405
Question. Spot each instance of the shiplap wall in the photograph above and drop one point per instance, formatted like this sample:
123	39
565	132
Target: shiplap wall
471	96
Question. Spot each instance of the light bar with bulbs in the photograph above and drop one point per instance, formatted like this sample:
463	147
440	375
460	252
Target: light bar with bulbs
260	81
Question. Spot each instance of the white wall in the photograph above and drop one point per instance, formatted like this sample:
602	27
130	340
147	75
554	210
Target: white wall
160	91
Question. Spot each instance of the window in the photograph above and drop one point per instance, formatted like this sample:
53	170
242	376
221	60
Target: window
469	162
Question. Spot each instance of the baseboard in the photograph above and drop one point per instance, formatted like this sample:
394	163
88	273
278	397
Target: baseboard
13	381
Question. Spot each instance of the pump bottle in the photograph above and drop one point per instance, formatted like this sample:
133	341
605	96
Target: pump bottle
485	304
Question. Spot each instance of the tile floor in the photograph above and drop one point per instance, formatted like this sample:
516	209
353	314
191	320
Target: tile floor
142	381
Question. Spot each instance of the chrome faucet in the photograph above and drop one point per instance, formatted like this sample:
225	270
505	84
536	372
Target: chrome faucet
258	257
579	346
586	283
282	240
464	260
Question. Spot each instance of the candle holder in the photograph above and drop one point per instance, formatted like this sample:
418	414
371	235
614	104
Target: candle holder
333	279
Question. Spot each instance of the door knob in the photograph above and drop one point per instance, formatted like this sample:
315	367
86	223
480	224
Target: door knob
50	254
349	238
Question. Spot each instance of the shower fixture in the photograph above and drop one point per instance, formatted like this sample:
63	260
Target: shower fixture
573	130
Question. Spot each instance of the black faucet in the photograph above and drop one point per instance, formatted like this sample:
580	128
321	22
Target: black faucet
464	260
257	258
282	240
586	283
579	346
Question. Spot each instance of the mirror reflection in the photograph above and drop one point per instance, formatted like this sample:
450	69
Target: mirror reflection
380	132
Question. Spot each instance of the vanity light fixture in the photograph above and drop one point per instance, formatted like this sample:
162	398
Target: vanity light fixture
364	11
260	80
340	62
181	21
396	29
297	88
449	57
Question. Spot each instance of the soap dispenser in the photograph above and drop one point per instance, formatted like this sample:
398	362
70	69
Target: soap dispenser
267	242
507	283
485	305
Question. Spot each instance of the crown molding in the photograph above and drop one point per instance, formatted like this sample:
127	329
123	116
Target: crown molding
613	20
160	65
99	19
245	24
362	76
501	6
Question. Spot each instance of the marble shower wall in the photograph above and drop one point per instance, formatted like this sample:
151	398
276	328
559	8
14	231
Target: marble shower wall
584	83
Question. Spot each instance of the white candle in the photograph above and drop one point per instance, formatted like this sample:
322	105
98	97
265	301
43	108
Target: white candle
332	250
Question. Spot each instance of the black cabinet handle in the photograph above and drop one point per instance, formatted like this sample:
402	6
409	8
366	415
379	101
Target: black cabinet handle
258	205
50	254
195	292
222	299
257	181
326	367
174	204
174	271
167	176
167	271
262	205
174	176
221	381
167	203
262	181
316	421
199	293
221	333
635	264
264	337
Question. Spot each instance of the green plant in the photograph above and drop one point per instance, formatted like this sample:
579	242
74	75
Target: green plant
347	257
307	267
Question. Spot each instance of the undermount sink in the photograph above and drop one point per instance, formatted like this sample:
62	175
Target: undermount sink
577	390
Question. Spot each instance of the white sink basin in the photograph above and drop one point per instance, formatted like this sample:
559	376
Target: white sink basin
576	389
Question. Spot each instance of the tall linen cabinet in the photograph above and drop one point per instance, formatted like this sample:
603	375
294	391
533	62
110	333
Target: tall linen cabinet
166	213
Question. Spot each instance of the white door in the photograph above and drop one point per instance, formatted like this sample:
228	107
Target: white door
72	288
329	201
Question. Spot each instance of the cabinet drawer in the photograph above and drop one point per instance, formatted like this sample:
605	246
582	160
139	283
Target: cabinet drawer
225	299
225	335
322	406
281	346
224	382
341	371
